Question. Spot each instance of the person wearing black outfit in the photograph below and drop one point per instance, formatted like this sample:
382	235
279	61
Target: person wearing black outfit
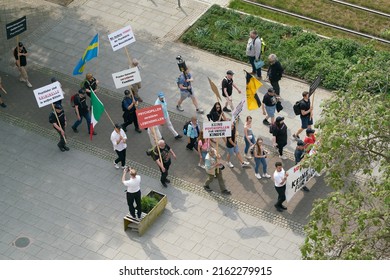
269	106
90	83
166	153
81	110
305	115
129	107
275	72
216	114
279	133
20	55
227	90
59	126
299	153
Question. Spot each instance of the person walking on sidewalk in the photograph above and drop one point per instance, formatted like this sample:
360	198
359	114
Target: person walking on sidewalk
129	106
133	192
53	80
232	147
279	133
118	139
216	114
274	73
280	179
2	104
227	90
203	148
249	137
305	115
214	169
136	87
20	55
253	52
299	154
260	155
186	91
59	125
90	82
269	106
166	153
161	101
192	133
81	110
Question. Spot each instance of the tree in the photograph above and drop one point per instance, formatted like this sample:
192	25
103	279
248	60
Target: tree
353	221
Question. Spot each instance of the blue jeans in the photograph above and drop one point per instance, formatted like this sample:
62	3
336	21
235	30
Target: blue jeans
248	144
254	70
257	164
87	118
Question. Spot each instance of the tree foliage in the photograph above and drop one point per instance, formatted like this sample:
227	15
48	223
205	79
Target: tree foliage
353	221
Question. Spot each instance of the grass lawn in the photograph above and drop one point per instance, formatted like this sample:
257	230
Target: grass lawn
379	5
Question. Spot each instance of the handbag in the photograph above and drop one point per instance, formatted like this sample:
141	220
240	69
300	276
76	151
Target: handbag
259	64
279	106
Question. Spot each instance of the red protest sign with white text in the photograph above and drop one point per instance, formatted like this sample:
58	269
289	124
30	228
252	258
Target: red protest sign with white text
150	116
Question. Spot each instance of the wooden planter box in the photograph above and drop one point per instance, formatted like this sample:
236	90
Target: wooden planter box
149	218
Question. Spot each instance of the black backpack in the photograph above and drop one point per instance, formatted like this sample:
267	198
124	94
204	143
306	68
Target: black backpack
297	107
185	128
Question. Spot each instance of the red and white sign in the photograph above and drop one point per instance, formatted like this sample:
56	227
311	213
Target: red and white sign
297	178
121	38
150	116
217	129
48	94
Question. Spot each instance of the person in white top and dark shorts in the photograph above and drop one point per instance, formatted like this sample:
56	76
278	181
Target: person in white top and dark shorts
280	178
118	139
133	192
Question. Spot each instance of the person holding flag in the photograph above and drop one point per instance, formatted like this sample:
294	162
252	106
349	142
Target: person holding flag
81	110
90	53
97	109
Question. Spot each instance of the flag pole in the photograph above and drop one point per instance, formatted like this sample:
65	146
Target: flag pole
58	120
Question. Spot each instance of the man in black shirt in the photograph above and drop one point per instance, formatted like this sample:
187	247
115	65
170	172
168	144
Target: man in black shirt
166	153
275	72
20	55
306	114
59	126
269	106
227	90
81	110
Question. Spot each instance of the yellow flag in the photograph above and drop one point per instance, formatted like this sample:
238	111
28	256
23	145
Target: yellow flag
252	85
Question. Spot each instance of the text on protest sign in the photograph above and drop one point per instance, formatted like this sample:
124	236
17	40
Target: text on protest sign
48	94
16	27
217	129
315	85
121	38
126	77
238	109
297	178
150	116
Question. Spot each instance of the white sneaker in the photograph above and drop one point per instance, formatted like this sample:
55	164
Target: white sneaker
28	84
201	165
244	163
123	167
257	175
230	164
283	157
22	80
178	107
266	175
199	111
248	156
116	165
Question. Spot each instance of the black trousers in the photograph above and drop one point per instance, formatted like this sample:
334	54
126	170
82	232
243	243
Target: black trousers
191	144
280	148
61	143
121	157
131	197
254	70
275	86
129	118
164	175
281	194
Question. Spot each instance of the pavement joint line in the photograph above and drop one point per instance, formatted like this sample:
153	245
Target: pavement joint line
155	174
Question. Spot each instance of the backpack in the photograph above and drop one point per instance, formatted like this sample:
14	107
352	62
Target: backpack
185	128
297	107
72	99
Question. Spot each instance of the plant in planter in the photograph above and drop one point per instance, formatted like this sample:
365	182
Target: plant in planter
148	203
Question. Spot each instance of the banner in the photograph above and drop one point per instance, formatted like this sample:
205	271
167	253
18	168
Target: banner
150	116
121	38
126	77
217	129
238	109
315	85
16	27
48	94
297	178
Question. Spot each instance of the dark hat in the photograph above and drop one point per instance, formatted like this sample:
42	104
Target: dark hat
53	79
279	119
127	92
58	106
309	130
20	44
300	143
230	72
117	125
161	94
82	91
271	89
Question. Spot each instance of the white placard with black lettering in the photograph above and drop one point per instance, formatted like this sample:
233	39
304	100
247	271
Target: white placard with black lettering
217	129
121	38
297	178
126	77
48	94
238	109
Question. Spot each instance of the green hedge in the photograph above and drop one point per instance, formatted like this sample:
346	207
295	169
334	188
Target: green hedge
303	55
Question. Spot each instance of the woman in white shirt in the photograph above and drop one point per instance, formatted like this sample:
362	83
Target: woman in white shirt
118	139
133	192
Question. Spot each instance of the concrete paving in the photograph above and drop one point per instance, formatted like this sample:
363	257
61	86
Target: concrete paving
87	197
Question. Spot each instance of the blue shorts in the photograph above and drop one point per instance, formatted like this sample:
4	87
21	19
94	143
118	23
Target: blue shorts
306	121
270	110
233	150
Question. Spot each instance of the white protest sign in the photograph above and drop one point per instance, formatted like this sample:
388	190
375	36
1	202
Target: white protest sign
297	178
126	77
121	38
217	129
48	94
238	109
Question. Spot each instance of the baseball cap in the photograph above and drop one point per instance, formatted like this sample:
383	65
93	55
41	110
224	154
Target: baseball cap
300	143
230	72
53	79
20	44
271	90
82	91
161	94
127	92
58	106
309	130
279	119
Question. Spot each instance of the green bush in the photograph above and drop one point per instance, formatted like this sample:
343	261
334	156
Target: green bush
148	203
302	54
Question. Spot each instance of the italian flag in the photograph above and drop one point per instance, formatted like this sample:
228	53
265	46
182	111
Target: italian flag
97	109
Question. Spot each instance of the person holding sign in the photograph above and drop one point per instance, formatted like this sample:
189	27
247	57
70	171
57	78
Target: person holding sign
58	119
166	153
129	106
214	168
280	178
20	54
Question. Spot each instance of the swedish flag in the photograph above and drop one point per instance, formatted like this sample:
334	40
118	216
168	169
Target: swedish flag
252	85
91	52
